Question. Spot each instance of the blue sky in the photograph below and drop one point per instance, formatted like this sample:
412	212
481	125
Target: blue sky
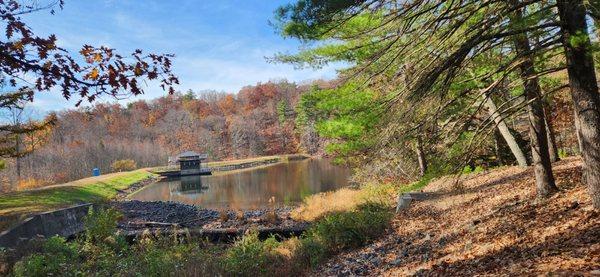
219	44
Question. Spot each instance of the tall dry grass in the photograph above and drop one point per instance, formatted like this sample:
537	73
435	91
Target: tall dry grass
31	183
319	205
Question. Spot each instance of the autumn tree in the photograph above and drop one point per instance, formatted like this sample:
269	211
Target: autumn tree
96	71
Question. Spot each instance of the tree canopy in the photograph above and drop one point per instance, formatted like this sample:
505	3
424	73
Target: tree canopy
439	64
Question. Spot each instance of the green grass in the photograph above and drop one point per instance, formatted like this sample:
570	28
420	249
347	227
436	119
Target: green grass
86	190
418	185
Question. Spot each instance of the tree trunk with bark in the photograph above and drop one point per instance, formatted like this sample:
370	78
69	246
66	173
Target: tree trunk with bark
505	132
537	129
421	157
584	90
552	149
18	156
576	121
498	147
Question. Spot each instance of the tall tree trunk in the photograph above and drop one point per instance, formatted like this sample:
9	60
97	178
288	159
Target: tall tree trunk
584	90
422	159
576	121
537	130
552	149
498	148
505	132
18	156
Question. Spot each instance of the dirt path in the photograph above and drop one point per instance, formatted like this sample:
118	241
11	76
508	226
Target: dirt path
490	226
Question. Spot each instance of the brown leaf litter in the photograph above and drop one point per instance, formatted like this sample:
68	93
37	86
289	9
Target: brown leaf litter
490	224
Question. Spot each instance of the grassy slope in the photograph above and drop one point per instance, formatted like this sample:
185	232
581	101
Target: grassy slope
93	189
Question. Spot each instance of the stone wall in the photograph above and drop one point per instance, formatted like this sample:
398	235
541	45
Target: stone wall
64	222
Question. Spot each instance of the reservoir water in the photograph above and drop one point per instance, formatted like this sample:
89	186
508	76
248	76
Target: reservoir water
273	185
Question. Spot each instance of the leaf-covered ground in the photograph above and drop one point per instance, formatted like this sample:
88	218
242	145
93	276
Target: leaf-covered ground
489	224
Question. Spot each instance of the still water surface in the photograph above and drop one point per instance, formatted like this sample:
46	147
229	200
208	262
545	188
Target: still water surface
288	183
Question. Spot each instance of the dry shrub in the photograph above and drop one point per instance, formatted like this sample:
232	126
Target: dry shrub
249	256
295	257
223	215
5	185
289	247
271	217
60	177
123	165
31	183
318	205
239	215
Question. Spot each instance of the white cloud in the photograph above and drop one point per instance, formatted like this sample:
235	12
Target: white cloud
217	45
231	75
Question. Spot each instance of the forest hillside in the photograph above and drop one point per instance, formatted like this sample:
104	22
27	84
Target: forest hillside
260	120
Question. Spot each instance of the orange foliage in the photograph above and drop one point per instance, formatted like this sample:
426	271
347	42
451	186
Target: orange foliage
59	177
259	95
31	183
75	144
192	106
140	105
123	165
151	120
228	105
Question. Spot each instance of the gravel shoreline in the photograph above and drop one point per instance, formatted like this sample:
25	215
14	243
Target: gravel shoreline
122	195
140	215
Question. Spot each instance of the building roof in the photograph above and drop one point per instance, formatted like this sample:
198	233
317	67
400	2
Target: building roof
191	154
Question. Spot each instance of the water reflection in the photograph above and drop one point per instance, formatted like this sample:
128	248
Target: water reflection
191	185
288	183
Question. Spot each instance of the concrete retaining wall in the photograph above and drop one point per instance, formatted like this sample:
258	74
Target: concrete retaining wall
244	165
258	163
65	222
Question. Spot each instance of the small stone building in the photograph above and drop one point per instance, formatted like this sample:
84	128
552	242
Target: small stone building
190	162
